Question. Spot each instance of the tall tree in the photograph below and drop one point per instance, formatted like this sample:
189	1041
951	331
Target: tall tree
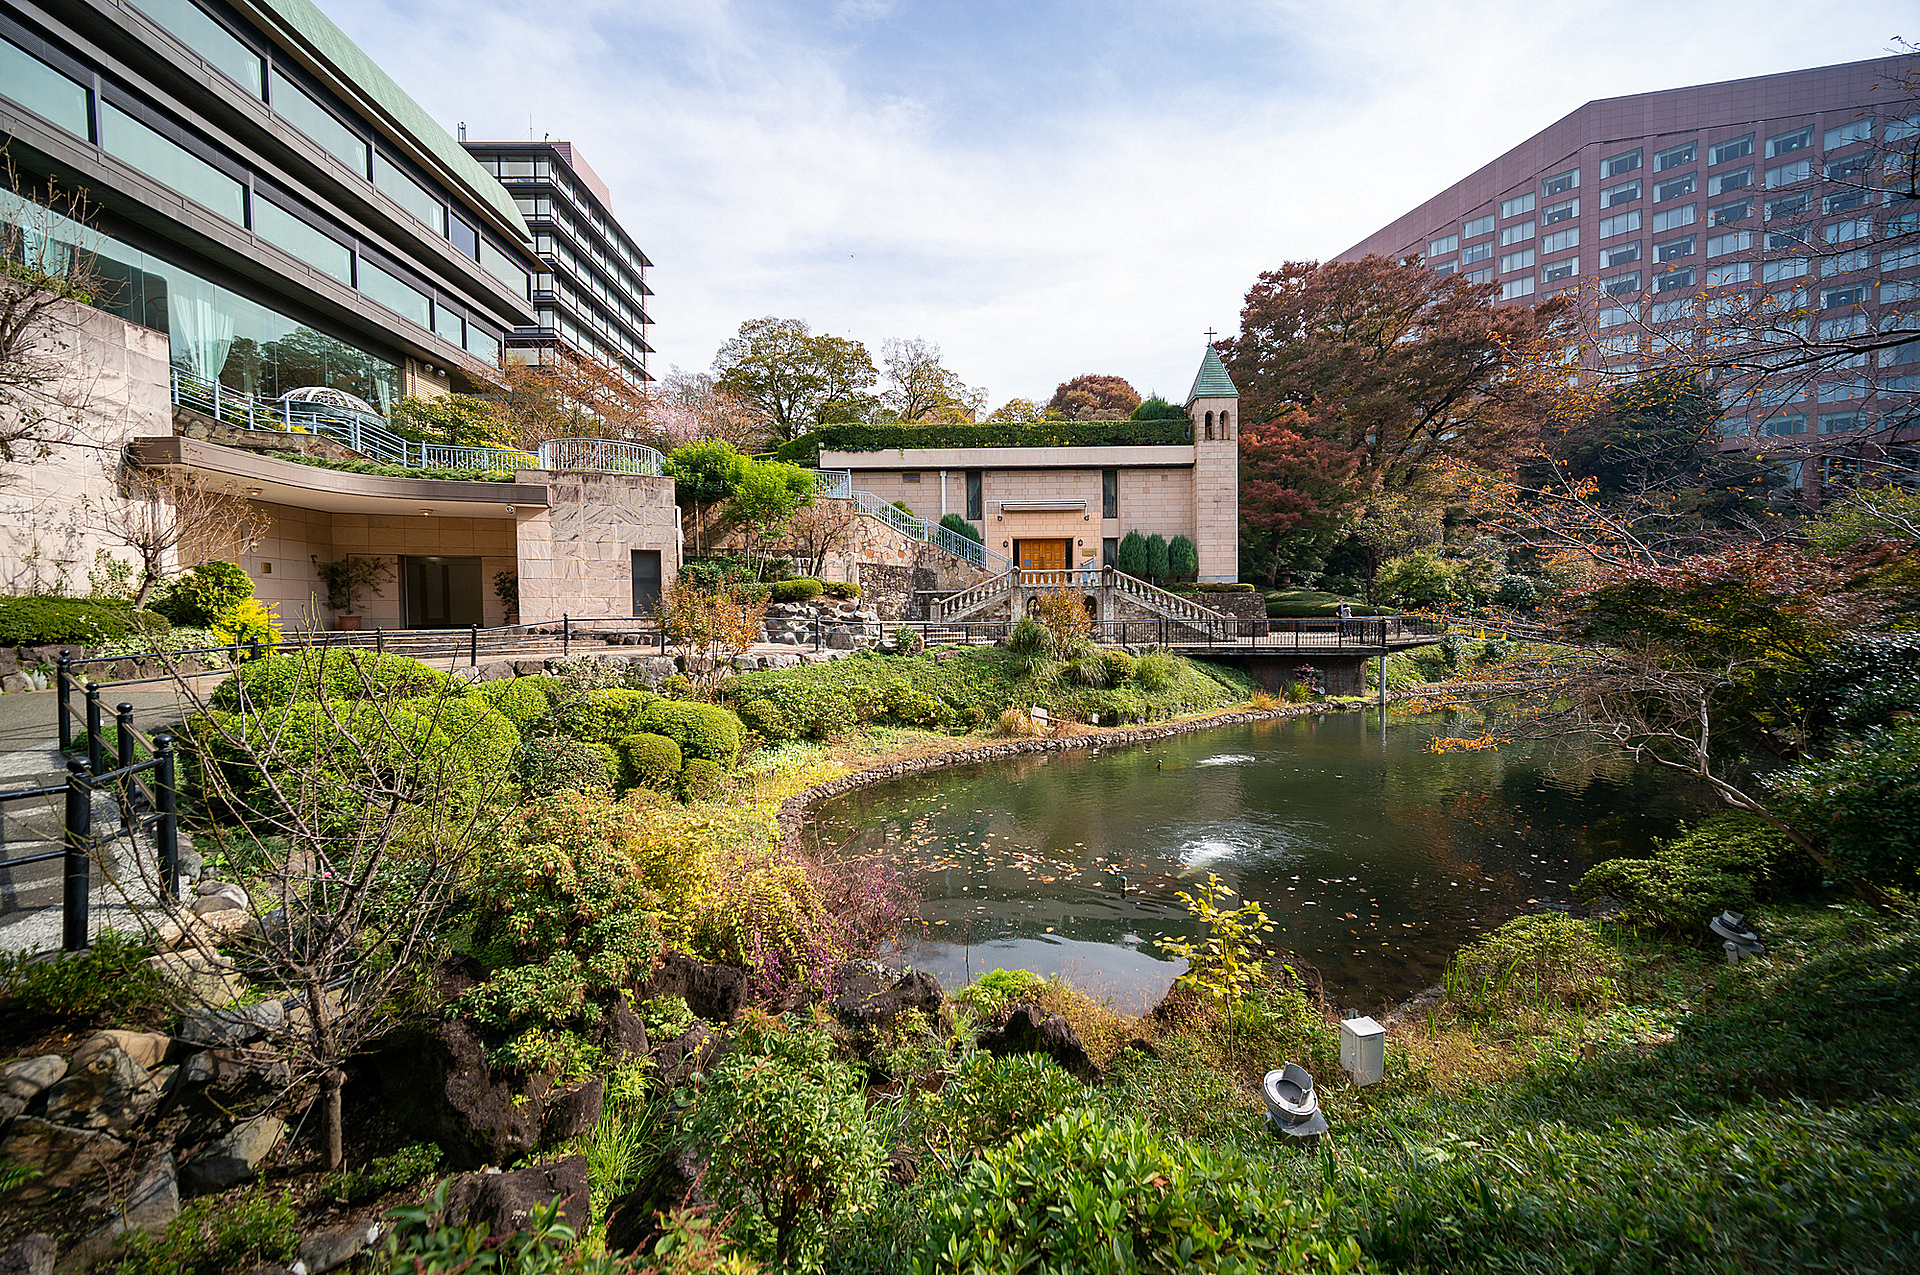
453	420
1294	485
1093	397
572	396
795	377
921	388
48	274
1018	411
694	408
1399	365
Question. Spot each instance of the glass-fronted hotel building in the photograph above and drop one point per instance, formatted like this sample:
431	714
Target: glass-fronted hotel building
590	293
264	194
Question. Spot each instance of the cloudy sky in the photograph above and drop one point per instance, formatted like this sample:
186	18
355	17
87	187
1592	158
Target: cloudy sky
1042	187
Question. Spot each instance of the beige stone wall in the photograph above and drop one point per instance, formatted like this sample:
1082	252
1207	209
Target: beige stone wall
283	565
115	388
393	536
575	557
1153	501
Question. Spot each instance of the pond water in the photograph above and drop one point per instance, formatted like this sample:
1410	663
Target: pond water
1375	858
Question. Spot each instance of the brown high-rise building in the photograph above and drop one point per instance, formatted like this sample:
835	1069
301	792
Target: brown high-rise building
1796	188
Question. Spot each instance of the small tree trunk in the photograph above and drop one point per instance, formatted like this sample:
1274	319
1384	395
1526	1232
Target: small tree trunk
330	1090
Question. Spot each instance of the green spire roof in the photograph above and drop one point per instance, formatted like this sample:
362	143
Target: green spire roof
1213	381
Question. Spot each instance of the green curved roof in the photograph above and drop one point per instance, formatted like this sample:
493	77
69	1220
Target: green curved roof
312	33
1212	381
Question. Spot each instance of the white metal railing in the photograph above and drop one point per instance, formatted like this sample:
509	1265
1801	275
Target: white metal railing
992	589
371	437
833	484
964	547
1168	603
600	455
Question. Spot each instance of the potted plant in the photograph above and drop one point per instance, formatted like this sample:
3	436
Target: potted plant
346	580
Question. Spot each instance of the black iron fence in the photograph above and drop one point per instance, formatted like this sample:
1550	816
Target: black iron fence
146	791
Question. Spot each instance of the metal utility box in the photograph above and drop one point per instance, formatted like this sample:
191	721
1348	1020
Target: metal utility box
1363	1050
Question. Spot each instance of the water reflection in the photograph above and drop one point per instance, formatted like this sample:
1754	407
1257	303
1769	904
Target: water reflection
1375	858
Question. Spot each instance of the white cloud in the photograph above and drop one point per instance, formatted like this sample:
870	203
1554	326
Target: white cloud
1049	191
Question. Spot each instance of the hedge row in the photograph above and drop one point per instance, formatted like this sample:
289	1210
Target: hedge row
81	621
806	449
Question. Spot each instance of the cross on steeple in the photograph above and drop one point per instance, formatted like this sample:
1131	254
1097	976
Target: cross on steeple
1209	336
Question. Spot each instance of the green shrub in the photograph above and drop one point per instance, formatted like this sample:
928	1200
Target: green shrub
200	597
110	977
798	589
1158	567
1086	667
387	1173
702	730
792	1150
1517	592
845	590
862	437
665	1017
651	761
994	990
521	700
561	914
1154	671
218	1233
1131	554
987	1100
1085	1193
1029	637
700	779
909	641
556	763
250	622
1864	804
1728	860
917	708
332	675
961	527
79	621
1182	559
608	715
484	741
764	718
1534	960
1119	666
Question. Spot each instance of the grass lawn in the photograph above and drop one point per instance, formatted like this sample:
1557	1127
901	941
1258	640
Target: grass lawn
1306	604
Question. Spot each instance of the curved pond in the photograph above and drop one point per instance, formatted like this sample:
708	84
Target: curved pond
1375	858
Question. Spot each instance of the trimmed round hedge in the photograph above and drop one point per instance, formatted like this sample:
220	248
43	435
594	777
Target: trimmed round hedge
333	675
764	718
607	716
521	700
648	760
482	736
555	763
798	589
702	730
699	780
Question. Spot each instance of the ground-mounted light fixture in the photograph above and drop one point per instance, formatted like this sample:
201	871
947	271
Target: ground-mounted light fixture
1292	1107
1740	941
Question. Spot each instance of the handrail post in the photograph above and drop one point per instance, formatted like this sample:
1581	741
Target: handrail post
93	727
379	640
566	634
123	737
473	645
63	696
76	866
165	797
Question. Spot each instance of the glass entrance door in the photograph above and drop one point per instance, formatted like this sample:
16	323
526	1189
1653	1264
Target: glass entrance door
441	593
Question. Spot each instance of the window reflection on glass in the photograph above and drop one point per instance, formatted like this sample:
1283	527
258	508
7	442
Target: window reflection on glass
216	333
199	32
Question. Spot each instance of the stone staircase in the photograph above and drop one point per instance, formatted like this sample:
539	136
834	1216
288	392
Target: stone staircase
1107	583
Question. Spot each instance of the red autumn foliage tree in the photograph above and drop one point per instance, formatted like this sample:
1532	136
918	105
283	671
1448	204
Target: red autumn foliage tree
1095	398
1291	482
1402	367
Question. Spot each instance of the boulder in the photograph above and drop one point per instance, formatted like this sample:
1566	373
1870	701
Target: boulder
30	1256
148	1049
840	641
679	1058
439	1085
216	1086
25	1080
205	980
713	992
1032	1030
633	1222
529	668
13	683
336	1246
502	1202
575	1112
873	996
64	1156
235	1025
496	671
103	1089
625	1033
155	1198
236	1158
